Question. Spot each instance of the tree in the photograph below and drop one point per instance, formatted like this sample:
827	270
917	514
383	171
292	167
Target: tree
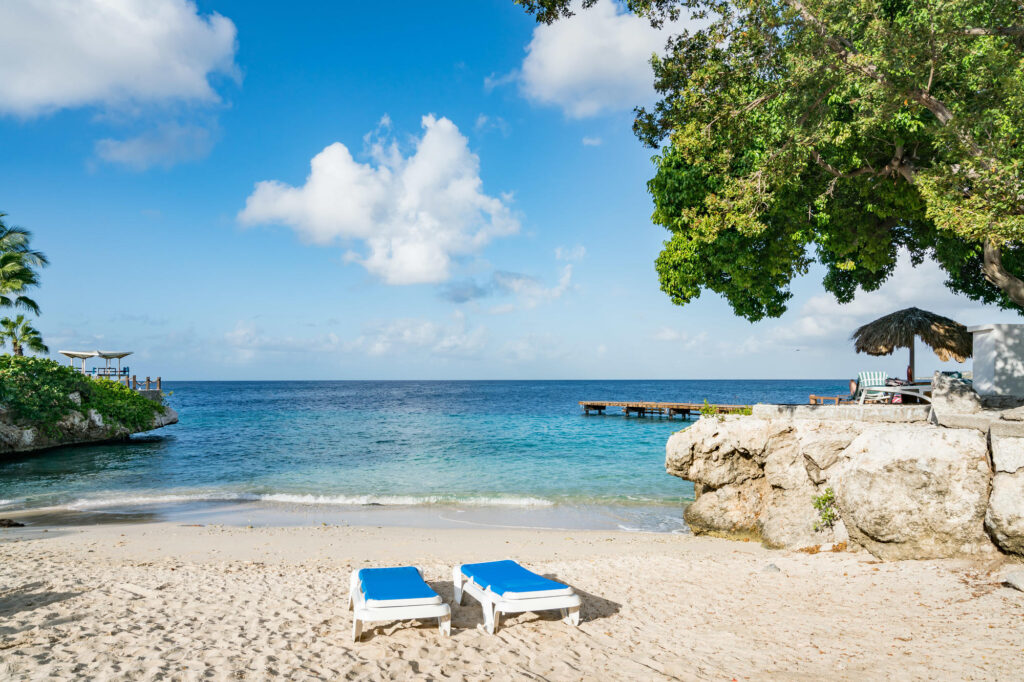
18	267
836	131
21	335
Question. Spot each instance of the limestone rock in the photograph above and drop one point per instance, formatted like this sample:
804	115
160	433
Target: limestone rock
953	395
718	452
1007	453
1015	579
915	492
1016	414
74	429
729	511
1004	519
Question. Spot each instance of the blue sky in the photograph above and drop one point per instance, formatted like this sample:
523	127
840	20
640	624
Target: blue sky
477	207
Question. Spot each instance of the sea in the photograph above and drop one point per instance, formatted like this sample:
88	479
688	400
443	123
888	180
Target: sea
412	453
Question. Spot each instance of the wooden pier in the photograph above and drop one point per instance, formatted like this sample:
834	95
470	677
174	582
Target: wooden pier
648	409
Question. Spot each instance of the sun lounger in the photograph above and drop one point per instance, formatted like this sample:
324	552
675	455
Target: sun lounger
507	587
866	381
386	594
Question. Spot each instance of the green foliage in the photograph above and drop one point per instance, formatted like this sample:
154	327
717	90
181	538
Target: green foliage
827	512
708	410
37	391
839	132
21	335
18	267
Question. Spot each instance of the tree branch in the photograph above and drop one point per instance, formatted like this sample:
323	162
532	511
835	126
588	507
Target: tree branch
1002	31
998	276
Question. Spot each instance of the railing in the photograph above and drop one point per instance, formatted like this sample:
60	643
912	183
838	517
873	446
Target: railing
136	384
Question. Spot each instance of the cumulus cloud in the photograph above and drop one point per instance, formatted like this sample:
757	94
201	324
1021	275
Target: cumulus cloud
166	146
595	61
58	54
413	214
683	340
592	141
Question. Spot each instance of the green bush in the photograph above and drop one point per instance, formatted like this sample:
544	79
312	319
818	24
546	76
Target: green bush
37	391
827	512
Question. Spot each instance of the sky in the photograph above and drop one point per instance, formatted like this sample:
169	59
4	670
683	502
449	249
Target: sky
243	190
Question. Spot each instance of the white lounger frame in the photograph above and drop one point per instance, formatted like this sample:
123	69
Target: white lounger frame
365	614
494	604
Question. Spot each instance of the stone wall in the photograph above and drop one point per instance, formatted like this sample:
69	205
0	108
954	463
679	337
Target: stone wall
909	482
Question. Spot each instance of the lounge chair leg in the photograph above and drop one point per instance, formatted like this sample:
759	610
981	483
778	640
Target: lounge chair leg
457	581
573	616
488	616
357	629
495	621
444	624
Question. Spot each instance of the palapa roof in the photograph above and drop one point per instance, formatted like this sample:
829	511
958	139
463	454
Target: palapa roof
948	338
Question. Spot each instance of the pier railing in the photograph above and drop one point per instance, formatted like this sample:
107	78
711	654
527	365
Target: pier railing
651	409
136	384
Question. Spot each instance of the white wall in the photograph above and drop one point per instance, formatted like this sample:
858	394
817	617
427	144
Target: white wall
999	359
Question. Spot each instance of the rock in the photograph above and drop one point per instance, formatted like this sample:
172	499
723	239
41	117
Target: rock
10	523
757	478
1016	414
75	397
730	511
1015	579
1007	453
718	452
953	395
771	568
74	429
1004	519
979	421
915	492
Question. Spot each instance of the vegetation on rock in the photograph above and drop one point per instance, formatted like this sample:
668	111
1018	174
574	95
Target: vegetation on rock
39	392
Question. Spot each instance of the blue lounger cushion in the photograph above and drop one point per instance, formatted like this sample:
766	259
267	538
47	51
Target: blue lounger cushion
509	580
401	586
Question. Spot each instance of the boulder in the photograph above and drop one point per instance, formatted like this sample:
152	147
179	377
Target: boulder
1004	519
1007	453
953	395
915	492
730	511
717	452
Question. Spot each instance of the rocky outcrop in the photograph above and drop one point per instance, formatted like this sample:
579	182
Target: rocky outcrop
911	490
915	491
76	428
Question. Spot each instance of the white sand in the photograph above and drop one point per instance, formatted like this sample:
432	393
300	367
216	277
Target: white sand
173	602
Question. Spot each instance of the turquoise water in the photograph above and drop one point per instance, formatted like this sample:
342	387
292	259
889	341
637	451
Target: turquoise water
522	446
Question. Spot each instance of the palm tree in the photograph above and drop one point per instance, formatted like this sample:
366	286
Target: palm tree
18	263
21	335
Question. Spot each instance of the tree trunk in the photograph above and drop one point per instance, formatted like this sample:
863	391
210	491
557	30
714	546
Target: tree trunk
998	276
18	351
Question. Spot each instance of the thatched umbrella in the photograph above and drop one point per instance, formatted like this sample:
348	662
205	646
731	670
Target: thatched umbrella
948	338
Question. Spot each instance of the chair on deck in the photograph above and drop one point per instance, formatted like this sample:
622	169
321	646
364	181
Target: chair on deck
868	380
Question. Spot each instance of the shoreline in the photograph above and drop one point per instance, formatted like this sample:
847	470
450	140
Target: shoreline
642	517
179	601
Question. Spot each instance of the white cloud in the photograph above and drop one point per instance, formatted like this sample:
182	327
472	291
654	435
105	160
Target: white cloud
592	141
570	254
683	340
404	335
58	53
531	291
485	123
413	214
824	322
595	61
167	145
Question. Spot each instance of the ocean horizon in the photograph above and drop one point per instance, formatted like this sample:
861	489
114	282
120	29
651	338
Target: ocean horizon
432	452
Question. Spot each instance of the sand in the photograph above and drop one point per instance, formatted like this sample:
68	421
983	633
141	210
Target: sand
166	601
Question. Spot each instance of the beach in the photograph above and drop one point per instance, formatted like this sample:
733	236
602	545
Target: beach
173	601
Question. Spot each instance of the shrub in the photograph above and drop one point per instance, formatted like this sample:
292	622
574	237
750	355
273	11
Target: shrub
37	392
827	512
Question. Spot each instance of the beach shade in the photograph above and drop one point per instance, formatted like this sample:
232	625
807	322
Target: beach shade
948	338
